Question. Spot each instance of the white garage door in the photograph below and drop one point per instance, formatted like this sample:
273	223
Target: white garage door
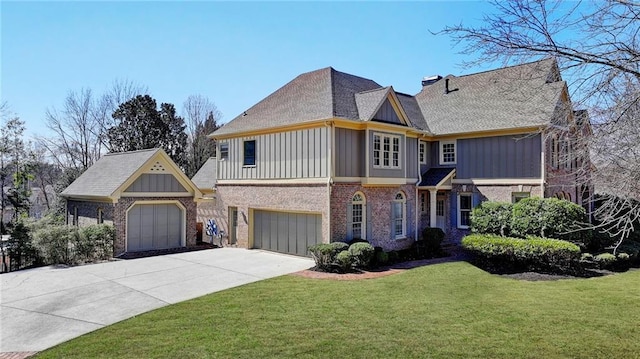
154	226
286	232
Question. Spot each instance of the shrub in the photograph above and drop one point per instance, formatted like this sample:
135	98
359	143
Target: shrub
362	254
55	243
339	246
382	258
394	256
532	253
431	242
605	260
95	242
547	217
587	260
492	218
324	255
344	260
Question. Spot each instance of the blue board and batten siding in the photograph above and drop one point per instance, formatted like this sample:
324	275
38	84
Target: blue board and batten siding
283	155
494	157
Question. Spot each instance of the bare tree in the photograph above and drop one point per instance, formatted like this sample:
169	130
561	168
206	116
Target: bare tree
201	117
597	45
80	127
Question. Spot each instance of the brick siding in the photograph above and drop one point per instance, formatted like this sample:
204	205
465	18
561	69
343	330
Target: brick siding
293	198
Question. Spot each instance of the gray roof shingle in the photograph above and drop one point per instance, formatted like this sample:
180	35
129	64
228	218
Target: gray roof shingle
512	97
206	176
316	95
108	173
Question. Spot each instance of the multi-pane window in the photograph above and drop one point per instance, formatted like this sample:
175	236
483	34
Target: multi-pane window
100	216
376	150
423	202
447	152
357	216
422	152
224	151
440	208
386	151
464	210
399	216
249	153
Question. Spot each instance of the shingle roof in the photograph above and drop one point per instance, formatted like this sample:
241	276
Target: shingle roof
108	173
206	176
316	95
433	176
512	97
367	102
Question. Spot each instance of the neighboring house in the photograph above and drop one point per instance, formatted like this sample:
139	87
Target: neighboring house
143	194
39	200
334	157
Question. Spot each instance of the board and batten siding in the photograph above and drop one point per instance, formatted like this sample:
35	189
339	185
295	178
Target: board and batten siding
350	153
164	182
282	155
498	157
387	113
412	157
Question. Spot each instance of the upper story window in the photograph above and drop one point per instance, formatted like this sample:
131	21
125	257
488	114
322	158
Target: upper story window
447	152
224	151
249	153
386	151
422	152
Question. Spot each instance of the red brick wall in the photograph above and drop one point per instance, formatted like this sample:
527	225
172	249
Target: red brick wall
378	200
294	198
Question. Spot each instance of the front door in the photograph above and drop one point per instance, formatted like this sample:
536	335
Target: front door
440	217
233	225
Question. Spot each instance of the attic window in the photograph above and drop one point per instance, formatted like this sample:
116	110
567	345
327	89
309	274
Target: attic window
157	167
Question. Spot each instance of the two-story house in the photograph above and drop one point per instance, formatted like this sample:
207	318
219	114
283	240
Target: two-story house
333	157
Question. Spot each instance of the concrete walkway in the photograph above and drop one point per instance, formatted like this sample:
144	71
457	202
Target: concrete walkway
42	307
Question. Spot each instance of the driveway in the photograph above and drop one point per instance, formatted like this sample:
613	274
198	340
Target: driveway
46	306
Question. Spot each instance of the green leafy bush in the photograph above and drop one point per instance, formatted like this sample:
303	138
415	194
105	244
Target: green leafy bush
605	260
362	254
339	246
547	217
394	256
344	260
324	255
95	242
532	253
431	243
382	258
492	218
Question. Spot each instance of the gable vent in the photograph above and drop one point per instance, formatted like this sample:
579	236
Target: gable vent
157	167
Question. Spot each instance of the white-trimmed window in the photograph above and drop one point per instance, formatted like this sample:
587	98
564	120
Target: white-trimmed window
422	152
464	210
224	151
399	209
519	196
555	152
386	151
358	216
423	202
447	152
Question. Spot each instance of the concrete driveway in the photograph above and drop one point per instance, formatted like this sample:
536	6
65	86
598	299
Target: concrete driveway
46	306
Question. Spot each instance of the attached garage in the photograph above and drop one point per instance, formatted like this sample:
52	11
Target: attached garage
154	226
286	232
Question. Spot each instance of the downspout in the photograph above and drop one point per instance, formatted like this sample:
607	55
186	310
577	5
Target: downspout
543	165
417	236
331	159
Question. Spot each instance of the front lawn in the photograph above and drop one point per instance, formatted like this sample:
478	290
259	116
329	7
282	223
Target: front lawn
451	310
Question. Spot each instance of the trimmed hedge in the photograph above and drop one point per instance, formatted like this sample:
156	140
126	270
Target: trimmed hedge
492	218
362	253
62	244
547	217
324	254
532	253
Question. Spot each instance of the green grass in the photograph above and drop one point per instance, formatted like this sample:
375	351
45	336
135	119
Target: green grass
451	310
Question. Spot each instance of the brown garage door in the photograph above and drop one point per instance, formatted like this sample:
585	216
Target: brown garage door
286	232
154	226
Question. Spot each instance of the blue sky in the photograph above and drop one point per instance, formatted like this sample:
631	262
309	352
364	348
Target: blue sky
234	53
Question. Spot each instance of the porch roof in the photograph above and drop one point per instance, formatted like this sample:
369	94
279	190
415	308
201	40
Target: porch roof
436	176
